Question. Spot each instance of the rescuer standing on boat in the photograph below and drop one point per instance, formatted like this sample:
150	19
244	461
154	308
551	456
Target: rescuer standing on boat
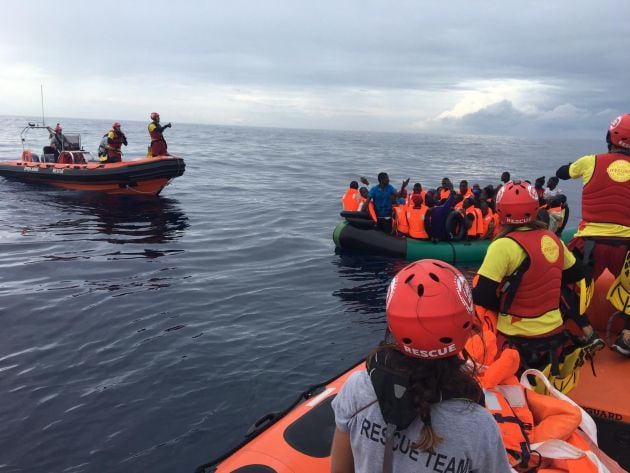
603	235
57	140
115	139
158	143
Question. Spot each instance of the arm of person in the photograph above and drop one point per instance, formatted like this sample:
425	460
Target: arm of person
572	270
341	458
485	293
403	185
366	204
583	168
502	258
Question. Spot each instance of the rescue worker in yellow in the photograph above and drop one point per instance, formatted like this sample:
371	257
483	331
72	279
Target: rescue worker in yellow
158	145
520	280
110	149
603	235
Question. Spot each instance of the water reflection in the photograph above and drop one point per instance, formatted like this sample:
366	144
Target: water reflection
365	281
123	219
364	284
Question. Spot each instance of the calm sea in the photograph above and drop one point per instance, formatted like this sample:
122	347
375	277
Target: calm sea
149	334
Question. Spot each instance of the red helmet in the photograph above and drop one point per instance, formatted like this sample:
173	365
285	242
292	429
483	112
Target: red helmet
155	116
429	310
116	125
619	131
517	203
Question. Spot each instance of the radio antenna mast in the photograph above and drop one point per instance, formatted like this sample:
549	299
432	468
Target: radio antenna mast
41	88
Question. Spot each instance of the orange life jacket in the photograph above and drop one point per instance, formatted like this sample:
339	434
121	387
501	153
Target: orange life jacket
538	290
423	193
485	222
460	204
525	418
477	224
445	193
606	196
497	224
400	219
415	218
508	405
350	200
372	211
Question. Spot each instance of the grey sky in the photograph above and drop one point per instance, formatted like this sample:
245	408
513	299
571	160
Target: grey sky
522	68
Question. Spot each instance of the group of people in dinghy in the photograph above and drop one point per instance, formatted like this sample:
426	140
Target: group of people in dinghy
444	214
451	351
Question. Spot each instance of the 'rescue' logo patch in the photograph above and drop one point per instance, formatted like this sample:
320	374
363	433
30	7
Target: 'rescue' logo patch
390	291
464	293
619	170
549	249
500	194
532	192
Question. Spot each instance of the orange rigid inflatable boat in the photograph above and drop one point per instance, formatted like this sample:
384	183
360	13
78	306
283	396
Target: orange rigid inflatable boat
76	169
298	440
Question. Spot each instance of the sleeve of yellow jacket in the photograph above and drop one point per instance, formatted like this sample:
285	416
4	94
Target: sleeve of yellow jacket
553	418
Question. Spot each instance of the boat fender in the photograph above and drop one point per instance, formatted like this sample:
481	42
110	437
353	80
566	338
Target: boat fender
27	156
360	223
348	214
455	226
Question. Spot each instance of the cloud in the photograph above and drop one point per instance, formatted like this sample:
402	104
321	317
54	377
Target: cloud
359	64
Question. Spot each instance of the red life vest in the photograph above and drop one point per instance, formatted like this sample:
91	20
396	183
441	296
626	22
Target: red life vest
538	291
155	132
606	196
415	217
114	142
350	200
400	217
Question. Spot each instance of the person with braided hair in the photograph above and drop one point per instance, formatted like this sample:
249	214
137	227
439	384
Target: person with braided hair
418	406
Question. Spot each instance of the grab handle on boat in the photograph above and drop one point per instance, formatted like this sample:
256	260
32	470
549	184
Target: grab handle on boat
262	423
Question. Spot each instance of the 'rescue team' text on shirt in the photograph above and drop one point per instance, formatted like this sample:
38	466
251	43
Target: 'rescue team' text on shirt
471	440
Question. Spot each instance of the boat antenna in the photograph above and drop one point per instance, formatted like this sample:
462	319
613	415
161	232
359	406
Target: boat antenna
41	88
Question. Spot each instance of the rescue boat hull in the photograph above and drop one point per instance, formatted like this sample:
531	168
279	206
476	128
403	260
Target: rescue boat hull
147	176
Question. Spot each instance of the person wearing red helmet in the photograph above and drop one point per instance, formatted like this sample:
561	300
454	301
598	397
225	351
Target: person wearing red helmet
158	146
416	407
603	236
521	278
110	149
57	141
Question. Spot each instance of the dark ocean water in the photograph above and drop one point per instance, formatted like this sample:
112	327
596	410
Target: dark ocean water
148	334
